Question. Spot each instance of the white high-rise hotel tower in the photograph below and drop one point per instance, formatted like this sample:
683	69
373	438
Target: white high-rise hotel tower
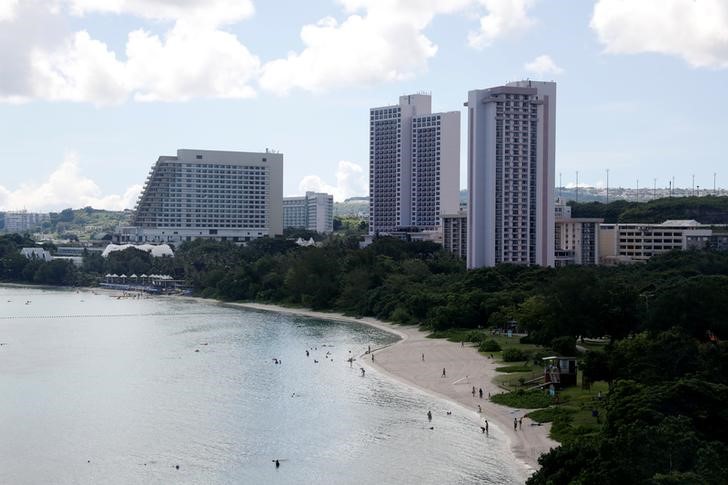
511	152
414	165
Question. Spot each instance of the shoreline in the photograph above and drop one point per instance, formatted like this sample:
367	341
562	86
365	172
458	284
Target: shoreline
466	367
402	362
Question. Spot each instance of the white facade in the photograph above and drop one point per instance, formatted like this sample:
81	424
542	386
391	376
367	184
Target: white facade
295	212
628	243
576	240
455	234
36	253
234	196
314	211
22	221
414	165
511	163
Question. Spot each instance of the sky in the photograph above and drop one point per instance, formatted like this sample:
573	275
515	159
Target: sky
93	91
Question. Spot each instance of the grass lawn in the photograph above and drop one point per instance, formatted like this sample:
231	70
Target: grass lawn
522	399
572	417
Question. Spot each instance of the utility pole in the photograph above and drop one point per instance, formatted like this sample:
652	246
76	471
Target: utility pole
607	186
670	182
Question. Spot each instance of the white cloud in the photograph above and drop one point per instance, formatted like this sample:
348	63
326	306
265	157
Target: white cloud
189	63
65	187
207	12
192	59
505	17
7	9
351	181
543	65
696	31
377	41
81	69
380	41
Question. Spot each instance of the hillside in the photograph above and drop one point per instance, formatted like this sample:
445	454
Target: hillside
706	210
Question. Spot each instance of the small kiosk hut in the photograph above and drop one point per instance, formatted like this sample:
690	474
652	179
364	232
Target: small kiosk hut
559	371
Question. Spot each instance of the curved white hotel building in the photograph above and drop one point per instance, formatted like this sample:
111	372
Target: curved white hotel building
222	195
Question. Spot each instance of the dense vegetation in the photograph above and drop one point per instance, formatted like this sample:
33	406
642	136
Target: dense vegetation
664	419
707	210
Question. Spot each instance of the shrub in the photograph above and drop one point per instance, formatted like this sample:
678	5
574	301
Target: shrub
475	337
514	355
565	346
509	369
526	340
489	345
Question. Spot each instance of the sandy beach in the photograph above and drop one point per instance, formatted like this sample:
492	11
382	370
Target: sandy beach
464	366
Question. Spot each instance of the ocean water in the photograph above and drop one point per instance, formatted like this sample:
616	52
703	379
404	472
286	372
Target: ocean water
95	389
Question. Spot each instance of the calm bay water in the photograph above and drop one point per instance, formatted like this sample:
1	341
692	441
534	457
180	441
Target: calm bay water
95	389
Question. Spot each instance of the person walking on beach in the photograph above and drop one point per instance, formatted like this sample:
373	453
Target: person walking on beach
473	391
423	356
480	410
363	372
372	357
520	423
486	426
515	424
429	415
481	393
444	374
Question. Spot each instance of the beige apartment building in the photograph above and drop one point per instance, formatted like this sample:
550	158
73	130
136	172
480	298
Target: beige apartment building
628	243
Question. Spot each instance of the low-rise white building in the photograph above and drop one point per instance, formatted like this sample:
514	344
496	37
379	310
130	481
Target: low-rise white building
36	253
627	243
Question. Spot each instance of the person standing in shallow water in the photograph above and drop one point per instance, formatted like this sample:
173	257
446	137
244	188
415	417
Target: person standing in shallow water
444	374
429	415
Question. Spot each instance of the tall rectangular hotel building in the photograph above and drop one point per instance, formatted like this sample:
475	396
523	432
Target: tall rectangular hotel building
511	153
206	194
414	165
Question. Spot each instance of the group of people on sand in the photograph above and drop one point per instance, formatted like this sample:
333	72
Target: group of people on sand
517	424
